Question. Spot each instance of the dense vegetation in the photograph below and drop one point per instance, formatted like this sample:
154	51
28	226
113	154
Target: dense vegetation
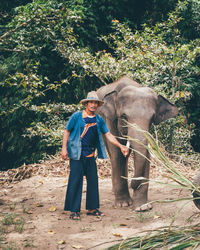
53	52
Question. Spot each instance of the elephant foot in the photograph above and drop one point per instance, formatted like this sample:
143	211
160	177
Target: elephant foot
123	201
144	207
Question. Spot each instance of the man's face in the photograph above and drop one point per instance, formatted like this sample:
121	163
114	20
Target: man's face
92	106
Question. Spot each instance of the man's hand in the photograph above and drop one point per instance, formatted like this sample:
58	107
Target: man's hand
110	137
64	154
124	150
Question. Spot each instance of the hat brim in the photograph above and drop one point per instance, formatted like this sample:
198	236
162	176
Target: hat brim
84	101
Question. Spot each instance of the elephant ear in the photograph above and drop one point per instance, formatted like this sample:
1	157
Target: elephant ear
108	110
165	110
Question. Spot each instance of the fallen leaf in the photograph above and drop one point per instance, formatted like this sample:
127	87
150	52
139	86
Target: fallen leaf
61	242
41	181
51	231
77	246
39	205
156	216
52	209
65	181
117	234
29	212
129	218
123	225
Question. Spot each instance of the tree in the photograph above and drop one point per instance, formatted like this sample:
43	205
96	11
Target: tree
25	78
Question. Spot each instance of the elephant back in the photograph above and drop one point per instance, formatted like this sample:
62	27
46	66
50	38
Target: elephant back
116	86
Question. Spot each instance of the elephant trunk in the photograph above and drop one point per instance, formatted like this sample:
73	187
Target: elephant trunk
141	156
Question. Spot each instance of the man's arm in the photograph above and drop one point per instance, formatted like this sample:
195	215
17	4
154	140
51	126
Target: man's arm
110	137
64	152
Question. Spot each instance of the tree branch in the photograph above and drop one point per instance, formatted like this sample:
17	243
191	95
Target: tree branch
11	50
15	29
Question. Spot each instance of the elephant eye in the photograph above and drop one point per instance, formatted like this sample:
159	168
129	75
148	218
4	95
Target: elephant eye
123	119
123	124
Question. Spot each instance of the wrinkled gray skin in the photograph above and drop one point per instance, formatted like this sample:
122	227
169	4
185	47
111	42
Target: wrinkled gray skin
126	99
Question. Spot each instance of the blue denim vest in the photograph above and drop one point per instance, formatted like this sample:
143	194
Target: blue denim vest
74	144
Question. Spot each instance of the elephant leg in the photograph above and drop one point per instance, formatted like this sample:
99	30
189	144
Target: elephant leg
119	171
141	193
140	187
119	165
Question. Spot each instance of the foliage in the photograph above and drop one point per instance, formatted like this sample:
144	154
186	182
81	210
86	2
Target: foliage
146	56
25	78
50	122
190	25
38	133
36	65
193	113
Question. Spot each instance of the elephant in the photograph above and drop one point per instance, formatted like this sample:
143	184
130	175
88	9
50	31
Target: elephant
127	100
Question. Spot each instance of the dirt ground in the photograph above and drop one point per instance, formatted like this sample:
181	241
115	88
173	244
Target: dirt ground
37	203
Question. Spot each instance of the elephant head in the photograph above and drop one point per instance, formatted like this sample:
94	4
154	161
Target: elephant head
127	101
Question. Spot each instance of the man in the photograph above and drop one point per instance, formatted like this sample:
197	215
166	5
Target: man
81	137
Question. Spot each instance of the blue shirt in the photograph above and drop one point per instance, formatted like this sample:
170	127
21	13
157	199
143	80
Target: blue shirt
89	136
75	126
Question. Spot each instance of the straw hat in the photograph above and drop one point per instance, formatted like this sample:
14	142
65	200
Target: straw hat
92	96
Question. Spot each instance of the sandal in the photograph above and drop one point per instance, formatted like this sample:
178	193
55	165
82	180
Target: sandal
96	212
75	216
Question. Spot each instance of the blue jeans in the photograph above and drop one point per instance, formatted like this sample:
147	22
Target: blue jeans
79	168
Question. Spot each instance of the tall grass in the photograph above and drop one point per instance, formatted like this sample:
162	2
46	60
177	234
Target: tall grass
177	238
181	181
